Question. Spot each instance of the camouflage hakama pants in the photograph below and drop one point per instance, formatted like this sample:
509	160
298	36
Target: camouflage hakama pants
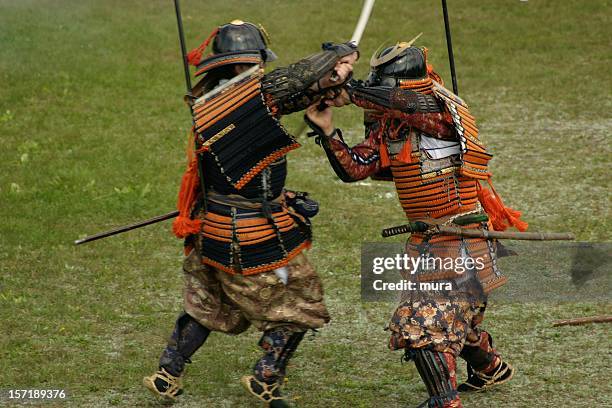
230	303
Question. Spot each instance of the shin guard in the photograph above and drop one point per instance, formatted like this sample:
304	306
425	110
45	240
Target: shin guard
268	373
187	337
278	345
437	370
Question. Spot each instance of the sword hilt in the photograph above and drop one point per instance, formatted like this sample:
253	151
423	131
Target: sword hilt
470	219
409	228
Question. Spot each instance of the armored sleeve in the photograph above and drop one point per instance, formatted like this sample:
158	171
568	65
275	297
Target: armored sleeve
422	111
350	163
386	98
290	89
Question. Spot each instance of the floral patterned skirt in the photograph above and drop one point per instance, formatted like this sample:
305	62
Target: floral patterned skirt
438	324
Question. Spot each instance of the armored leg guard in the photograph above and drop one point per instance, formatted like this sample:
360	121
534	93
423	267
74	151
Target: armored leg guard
437	370
187	337
269	372
485	366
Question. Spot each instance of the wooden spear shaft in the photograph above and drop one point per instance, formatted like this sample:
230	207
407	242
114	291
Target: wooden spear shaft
126	228
582	320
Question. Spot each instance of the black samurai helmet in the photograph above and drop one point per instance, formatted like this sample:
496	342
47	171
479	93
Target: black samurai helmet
237	42
393	64
240	36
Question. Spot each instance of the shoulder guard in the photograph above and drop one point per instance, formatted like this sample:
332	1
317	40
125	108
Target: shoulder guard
288	87
474	156
441	92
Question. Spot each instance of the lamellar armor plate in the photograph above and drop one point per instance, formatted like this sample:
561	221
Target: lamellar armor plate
236	127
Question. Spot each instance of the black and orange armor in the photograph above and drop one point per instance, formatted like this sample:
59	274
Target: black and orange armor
422	137
247	226
244	233
430	149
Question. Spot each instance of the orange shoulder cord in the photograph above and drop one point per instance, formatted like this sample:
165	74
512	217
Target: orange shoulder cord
501	217
434	75
194	56
405	155
423	86
183	225
385	161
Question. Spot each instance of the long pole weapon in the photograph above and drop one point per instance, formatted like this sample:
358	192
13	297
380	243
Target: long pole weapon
179	22
449	45
582	320
126	228
172	214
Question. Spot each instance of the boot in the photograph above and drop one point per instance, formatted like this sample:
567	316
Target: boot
163	385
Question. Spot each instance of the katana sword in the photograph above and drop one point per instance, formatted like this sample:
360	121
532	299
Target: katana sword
364	17
421	227
362	23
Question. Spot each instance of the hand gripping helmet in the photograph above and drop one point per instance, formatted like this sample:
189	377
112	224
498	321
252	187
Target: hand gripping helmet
237	42
397	63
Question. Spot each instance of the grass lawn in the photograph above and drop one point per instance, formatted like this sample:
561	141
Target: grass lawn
93	133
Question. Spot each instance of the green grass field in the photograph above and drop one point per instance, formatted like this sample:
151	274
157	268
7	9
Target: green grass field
93	133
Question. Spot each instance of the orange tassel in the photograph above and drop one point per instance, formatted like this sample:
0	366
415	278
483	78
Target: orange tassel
513	216
195	55
380	137
501	217
492	208
183	225
384	155
406	152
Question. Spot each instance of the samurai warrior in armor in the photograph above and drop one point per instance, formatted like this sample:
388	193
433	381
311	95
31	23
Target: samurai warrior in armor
244	233
422	137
